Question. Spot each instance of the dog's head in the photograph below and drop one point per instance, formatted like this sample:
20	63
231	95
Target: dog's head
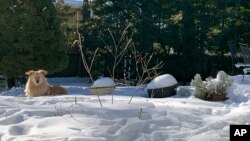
37	77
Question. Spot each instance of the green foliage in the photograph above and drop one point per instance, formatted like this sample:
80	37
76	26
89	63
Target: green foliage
67	18
31	37
182	32
212	88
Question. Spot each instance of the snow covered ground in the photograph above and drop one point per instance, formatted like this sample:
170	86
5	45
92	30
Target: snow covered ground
79	117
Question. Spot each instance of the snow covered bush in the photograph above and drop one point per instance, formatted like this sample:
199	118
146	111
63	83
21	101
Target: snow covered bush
212	89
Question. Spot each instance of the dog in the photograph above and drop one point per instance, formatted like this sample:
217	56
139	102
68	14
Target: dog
37	85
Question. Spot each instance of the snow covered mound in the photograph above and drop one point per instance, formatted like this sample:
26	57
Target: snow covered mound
162	81
104	82
79	117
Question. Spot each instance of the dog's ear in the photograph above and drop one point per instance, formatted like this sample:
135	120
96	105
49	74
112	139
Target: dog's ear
44	72
29	72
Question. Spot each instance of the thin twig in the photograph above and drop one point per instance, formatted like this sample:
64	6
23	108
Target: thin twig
130	99
112	98
140	113
92	61
142	61
99	100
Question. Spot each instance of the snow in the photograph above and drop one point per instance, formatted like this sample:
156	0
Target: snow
74	2
79	116
162	81
103	82
109	3
44	8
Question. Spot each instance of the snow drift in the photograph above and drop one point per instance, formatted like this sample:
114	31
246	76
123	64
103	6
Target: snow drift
79	117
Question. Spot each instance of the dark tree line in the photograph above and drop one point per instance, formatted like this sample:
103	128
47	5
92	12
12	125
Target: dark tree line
184	34
181	33
30	38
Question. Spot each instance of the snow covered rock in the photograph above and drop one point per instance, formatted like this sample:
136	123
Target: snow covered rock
104	82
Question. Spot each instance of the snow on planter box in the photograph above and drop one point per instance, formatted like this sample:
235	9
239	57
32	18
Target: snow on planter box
103	85
162	86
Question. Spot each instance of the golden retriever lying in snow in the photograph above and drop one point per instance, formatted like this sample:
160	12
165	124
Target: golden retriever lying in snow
37	85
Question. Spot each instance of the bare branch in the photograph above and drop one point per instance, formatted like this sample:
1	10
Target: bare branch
118	49
113	39
85	64
142	61
124	33
92	61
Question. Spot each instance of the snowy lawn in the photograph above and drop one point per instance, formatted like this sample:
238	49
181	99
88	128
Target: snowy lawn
79	117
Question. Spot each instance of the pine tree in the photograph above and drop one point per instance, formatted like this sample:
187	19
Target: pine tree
31	39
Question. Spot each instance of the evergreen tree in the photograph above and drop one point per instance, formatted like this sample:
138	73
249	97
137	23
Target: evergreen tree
31	39
67	18
187	33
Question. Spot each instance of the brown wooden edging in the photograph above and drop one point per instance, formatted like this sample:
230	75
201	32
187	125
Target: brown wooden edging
101	90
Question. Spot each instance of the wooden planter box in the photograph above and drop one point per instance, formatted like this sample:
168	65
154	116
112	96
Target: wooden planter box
162	92
101	90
